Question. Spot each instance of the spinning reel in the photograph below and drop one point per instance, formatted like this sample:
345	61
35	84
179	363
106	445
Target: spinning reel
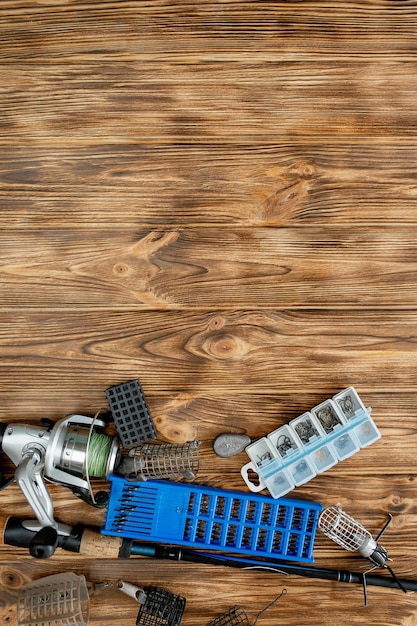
76	448
73	450
67	453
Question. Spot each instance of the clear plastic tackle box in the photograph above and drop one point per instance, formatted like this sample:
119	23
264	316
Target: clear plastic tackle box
309	444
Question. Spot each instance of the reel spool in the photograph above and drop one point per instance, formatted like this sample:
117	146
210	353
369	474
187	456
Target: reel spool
77	452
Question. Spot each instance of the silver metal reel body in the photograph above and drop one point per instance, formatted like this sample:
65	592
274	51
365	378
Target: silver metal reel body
58	455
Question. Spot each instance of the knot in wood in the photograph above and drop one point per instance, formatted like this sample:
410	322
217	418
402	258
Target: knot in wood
216	322
9	617
398	504
225	346
303	170
120	269
175	430
11	578
307	170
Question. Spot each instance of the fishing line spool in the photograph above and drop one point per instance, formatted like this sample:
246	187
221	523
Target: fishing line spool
84	455
79	450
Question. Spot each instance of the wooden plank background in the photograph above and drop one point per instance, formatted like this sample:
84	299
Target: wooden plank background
219	198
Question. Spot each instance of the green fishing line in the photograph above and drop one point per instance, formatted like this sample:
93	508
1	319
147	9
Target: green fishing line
98	453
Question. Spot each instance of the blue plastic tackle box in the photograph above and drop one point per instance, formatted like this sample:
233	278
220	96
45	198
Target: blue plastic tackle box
203	517
310	444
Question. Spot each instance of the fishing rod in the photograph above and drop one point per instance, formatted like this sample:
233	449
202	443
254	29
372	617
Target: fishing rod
308	571
89	542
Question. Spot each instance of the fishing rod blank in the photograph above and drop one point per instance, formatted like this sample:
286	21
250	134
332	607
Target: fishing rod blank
89	542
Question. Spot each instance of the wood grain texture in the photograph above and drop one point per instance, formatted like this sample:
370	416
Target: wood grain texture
188	268
218	103
220	199
239	30
181	351
294	183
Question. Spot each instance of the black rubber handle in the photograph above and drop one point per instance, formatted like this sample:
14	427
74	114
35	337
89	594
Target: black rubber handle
44	543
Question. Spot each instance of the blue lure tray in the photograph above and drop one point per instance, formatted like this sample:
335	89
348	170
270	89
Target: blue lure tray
203	517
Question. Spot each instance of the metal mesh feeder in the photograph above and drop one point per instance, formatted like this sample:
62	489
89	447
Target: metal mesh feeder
159	607
164	461
235	616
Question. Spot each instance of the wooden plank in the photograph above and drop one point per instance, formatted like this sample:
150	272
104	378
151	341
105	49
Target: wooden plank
226	30
207	414
251	352
320	600
181	417
207	267
205	103
302	183
376	496
217	198
230	586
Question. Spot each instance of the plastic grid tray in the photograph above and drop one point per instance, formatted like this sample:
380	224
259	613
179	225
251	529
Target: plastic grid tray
208	518
310	444
130	412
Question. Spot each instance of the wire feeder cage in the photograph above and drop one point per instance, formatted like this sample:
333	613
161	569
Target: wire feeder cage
235	616
343	529
162	461
161	608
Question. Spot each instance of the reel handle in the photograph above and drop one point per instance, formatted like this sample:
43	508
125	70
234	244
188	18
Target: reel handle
15	531
44	543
